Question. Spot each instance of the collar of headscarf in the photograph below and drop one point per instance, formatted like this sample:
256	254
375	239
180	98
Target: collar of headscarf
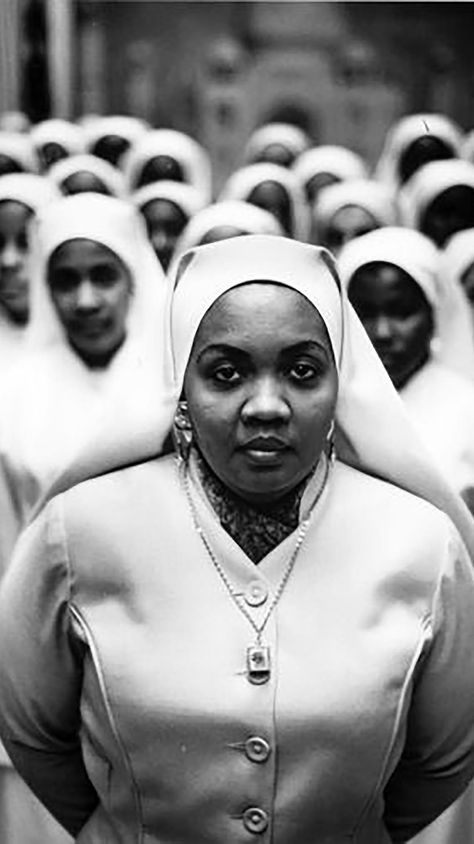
379	200
414	253
291	137
405	132
339	161
69	135
428	183
241	184
111	177
191	156
28	188
373	430
20	148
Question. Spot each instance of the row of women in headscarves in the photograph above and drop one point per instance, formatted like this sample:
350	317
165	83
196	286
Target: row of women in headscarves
82	289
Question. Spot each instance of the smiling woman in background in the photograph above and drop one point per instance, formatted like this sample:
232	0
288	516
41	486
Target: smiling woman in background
253	637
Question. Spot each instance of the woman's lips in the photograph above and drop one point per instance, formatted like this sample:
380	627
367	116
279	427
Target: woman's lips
265	451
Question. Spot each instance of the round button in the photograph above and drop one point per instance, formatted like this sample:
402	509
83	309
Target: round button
257	749
256	593
255	820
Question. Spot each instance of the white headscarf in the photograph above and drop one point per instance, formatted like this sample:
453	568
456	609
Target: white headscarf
242	215
428	183
68	135
336	160
14	121
19	147
241	184
189	154
379	200
54	402
286	134
407	130
414	253
373	432
109	175
124	126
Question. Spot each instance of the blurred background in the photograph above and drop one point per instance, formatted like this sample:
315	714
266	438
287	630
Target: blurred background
343	71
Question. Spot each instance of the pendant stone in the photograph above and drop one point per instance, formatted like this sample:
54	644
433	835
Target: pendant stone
258	664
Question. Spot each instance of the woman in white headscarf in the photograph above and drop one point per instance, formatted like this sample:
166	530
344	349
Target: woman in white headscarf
439	199
17	154
413	141
326	165
228	218
457	270
167	207
22	195
349	209
110	137
277	143
275	189
56	139
87	173
421	329
167	154
165	681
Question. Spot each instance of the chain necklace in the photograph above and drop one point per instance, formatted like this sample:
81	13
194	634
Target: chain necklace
258	658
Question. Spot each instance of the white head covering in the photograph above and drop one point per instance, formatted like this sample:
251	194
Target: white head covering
69	135
190	155
429	182
231	212
241	184
286	134
28	188
53	401
336	160
14	121
373	432
405	132
420	259
467	147
109	175
124	126
379	200
186	197
20	148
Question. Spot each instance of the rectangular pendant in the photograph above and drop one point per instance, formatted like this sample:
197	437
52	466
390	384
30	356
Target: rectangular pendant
258	664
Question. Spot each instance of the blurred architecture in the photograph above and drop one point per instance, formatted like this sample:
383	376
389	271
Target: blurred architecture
343	70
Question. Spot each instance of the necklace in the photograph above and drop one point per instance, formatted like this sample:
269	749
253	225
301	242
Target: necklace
258	657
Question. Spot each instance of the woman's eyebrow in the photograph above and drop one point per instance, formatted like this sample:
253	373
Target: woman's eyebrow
223	349
312	346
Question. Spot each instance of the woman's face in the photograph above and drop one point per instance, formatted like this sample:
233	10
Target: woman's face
467	281
164	221
159	168
397	317
90	288
277	153
423	150
452	211
50	153
346	224
111	148
14	282
261	386
273	197
84	182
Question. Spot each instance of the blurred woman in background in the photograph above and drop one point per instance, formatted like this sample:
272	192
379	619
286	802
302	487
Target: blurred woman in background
277	143
350	209
322	166
164	154
17	154
110	137
87	173
56	139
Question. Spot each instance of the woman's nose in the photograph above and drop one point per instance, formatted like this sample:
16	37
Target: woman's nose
87	297
10	256
382	327
266	403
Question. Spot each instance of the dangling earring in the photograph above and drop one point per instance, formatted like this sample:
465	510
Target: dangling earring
331	449
182	432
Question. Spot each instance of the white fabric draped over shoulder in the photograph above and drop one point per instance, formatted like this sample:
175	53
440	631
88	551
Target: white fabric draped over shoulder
110	176
19	147
429	182
53	403
286	134
70	136
248	218
340	162
407	130
373	431
188	153
241	184
377	199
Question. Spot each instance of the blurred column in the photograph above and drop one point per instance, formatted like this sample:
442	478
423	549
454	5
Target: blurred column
60	23
9	55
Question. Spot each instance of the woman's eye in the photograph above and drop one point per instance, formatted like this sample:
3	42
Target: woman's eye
226	373
303	371
104	275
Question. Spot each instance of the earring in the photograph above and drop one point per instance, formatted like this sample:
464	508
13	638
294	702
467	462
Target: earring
182	432
330	442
